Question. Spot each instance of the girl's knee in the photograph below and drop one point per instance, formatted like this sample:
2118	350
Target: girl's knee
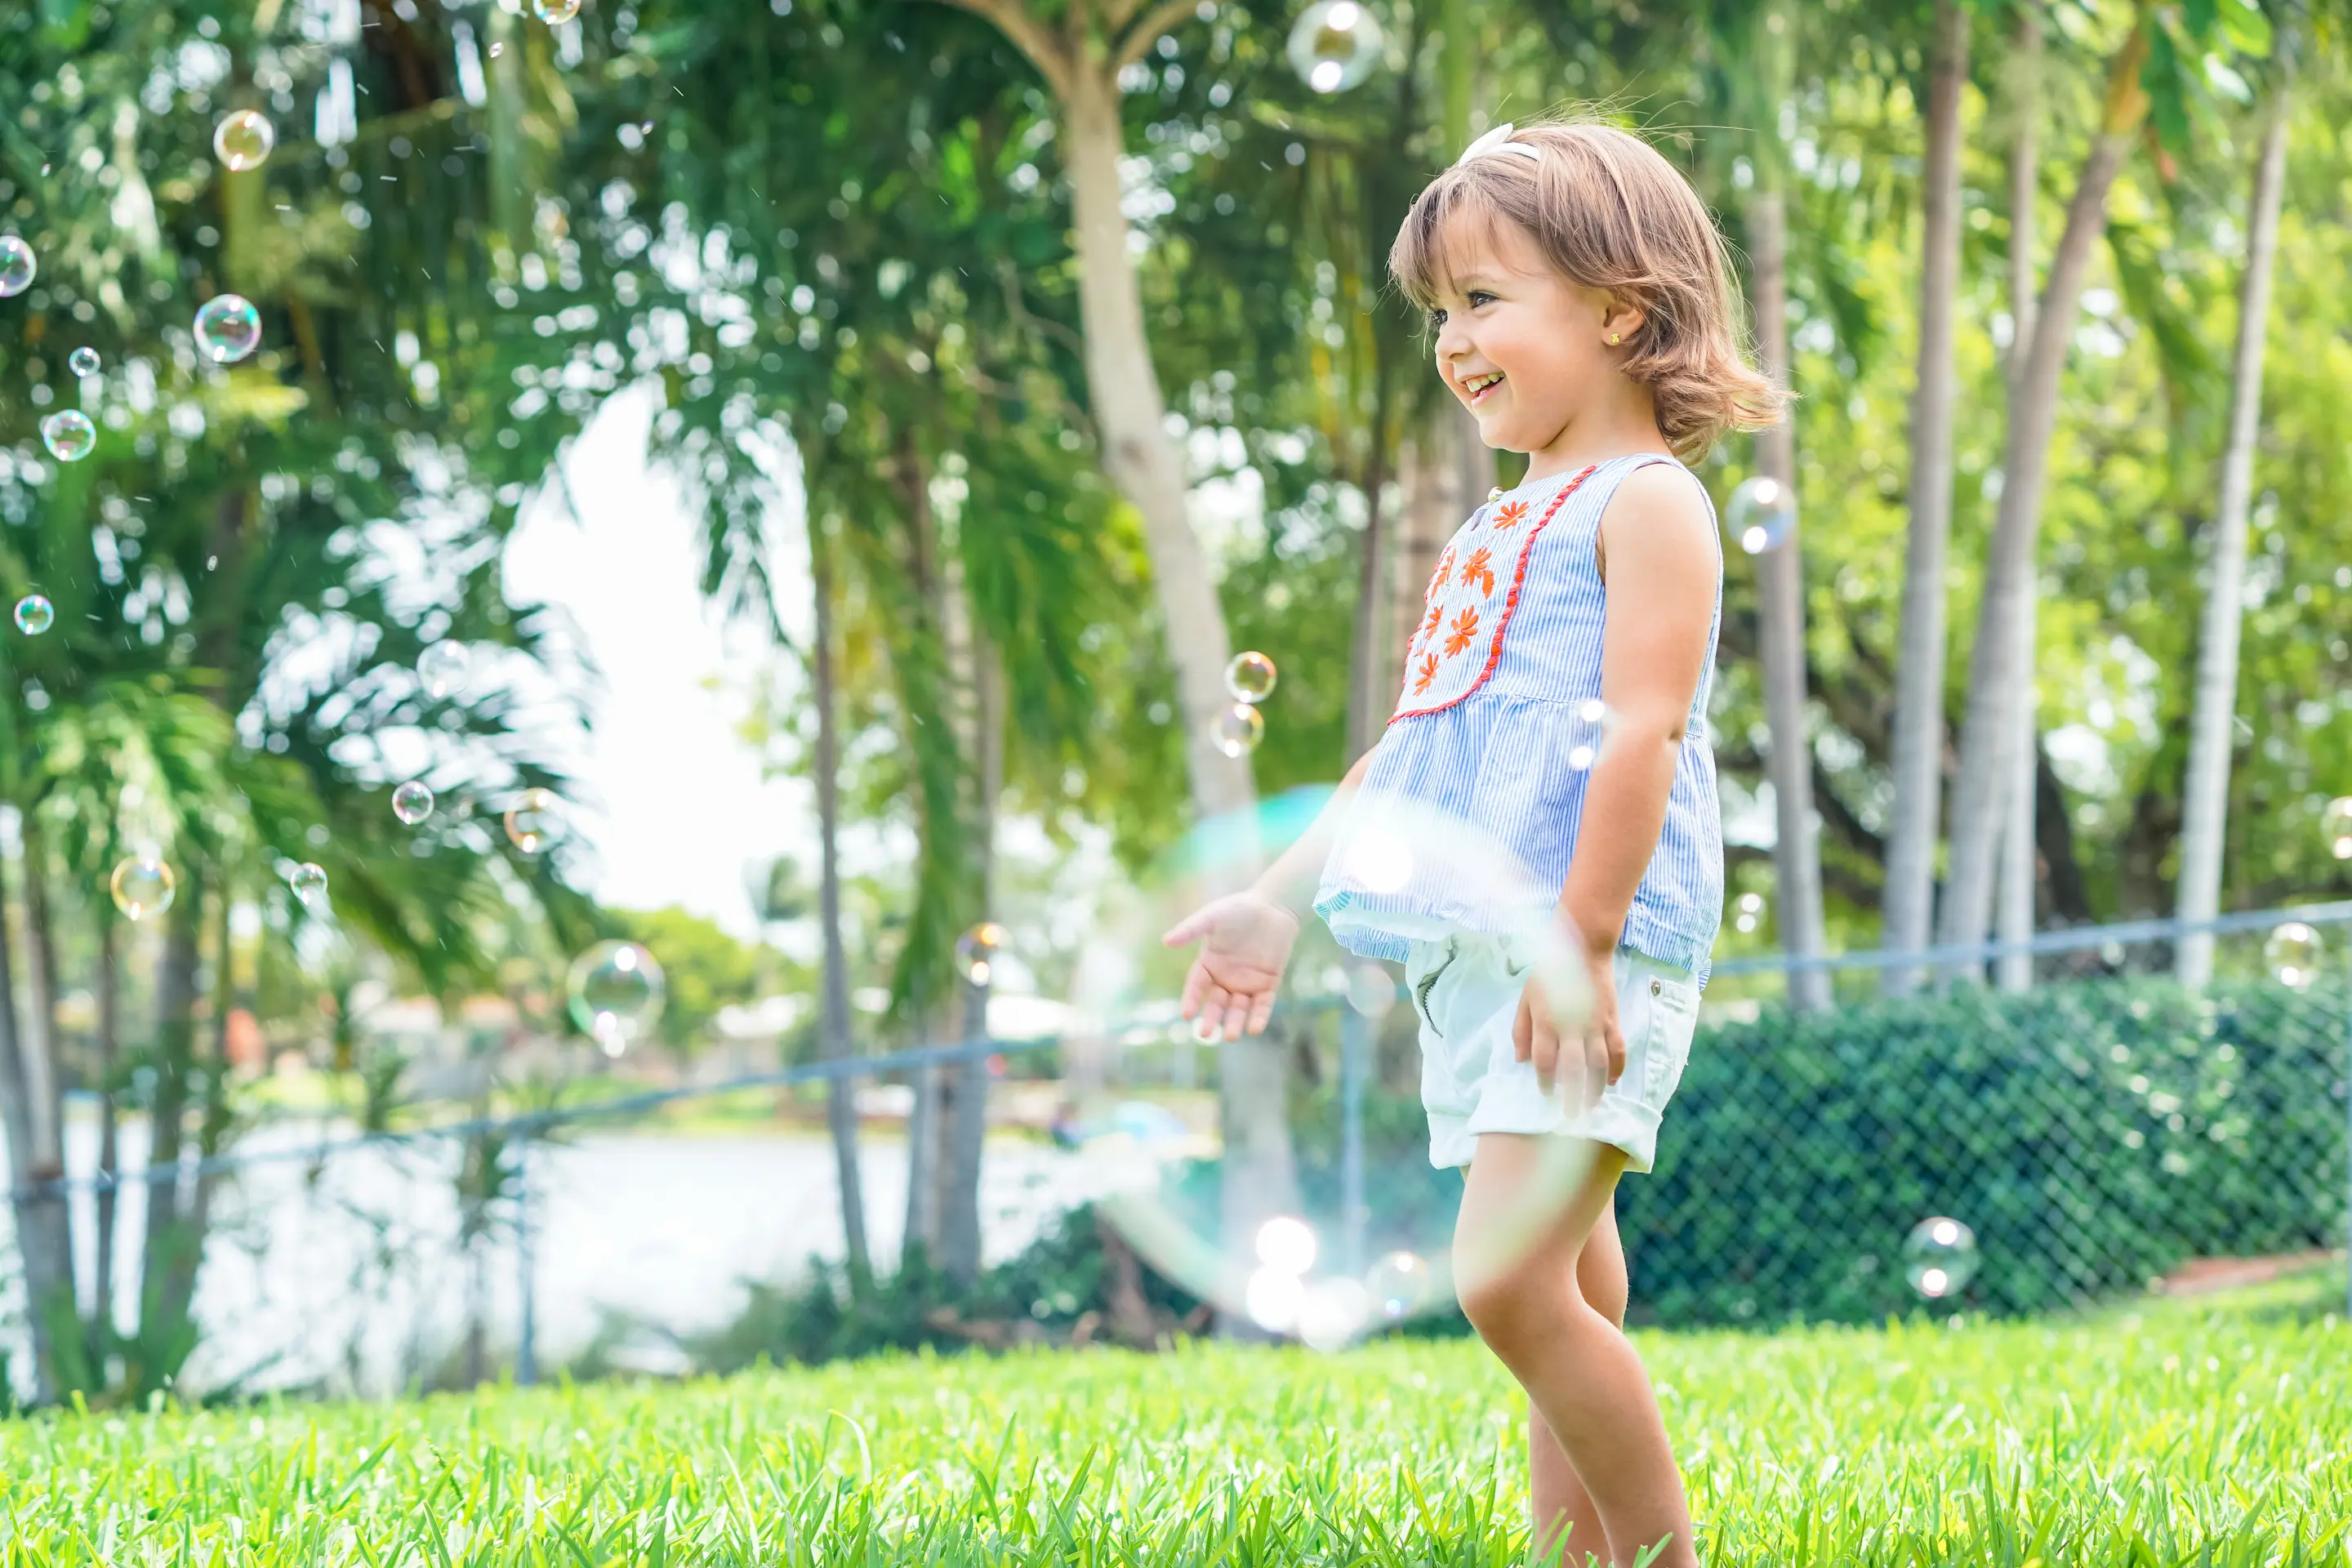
1511	1306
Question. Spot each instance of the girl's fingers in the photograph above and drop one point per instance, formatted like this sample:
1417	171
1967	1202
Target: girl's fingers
1196	981
1523	1029
1261	1011
1613	1043
1192	928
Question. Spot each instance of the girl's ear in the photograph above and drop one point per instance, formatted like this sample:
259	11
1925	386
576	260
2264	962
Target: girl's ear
1621	319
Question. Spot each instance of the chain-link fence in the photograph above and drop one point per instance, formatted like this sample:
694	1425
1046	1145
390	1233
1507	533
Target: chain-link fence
2103	1129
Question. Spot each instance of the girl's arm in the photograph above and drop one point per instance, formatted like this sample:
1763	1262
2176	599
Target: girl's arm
1659	565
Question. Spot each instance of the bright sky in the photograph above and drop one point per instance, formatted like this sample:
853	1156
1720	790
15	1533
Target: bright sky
670	800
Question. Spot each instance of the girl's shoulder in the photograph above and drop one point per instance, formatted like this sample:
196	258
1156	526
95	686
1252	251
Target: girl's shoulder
1658	505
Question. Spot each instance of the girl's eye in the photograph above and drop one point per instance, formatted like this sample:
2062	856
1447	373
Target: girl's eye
1479	297
1436	319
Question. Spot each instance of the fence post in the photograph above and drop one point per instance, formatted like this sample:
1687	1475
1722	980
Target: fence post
526	1334
1353	1212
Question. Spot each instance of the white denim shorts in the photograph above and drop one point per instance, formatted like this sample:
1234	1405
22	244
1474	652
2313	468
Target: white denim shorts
1466	989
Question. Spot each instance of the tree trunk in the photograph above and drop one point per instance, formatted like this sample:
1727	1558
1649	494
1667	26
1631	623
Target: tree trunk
841	1108
174	1247
1998	680
2206	795
48	1269
1780	614
1142	459
51	1223
966	1100
1367	667
1919	746
2019	854
101	1320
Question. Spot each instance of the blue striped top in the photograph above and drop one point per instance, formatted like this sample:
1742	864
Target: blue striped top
1467	817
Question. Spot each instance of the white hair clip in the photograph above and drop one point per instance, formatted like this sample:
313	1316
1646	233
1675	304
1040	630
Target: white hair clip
1498	141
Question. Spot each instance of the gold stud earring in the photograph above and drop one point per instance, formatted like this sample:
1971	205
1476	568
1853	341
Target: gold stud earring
1614	339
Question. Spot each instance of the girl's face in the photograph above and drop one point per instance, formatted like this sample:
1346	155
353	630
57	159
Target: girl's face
1523	348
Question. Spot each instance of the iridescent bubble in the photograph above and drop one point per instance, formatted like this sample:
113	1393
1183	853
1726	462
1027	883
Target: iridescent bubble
555	12
412	803
244	141
535	820
1273	1298
143	886
2295	953
83	361
445	668
1250	678
1287	1243
2335	827
17	266
1939	1257
1762	515
69	436
1397	1284
1748	912
1334	45
1333	1312
308	881
35	614
1588	729
976	951
1239	730
616	990
1371	990
227	328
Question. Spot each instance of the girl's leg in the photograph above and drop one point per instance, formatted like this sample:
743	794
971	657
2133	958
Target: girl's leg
1558	1499
1523	1227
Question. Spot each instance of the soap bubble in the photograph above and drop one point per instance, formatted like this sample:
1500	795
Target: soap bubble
1747	913
308	881
1334	45
445	668
1762	515
1272	1297
976	951
536	820
1287	1243
616	990
69	436
243	141
227	328
2293	953
1397	1284
1371	990
412	803
2335	827
35	614
83	361
1239	730
1250	678
555	11
1332	1313
17	265
1939	1257
143	886
1588	729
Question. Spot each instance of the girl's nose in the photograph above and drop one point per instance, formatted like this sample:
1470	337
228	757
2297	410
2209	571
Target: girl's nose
1453	343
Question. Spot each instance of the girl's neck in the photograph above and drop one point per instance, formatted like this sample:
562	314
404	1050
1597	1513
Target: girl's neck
1619	427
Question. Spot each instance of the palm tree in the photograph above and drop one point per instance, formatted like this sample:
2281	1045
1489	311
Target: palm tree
1917	764
2206	792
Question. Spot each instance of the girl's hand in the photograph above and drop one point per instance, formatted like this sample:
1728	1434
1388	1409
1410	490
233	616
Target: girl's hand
1590	1055
1245	940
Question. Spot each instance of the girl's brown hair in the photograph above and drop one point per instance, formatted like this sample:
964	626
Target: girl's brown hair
1610	213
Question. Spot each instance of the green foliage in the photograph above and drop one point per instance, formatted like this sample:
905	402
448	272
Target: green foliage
2094	1135
704	967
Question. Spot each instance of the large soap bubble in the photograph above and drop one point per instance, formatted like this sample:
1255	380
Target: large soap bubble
17	266
228	328
1277	1256
244	139
1334	45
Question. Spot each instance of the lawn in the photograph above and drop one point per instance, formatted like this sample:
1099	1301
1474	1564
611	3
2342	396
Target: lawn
2179	1433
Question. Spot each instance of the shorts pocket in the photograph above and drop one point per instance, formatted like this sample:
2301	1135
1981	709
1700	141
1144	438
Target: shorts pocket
1672	1008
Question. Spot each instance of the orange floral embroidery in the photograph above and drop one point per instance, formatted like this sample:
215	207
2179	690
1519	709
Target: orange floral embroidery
1429	626
1479	569
1510	515
1465	627
1428	674
1445	573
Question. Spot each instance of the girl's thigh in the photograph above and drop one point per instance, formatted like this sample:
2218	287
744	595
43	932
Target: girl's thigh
1530	1201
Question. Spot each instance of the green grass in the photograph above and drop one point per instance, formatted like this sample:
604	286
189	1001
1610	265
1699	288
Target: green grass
2180	1433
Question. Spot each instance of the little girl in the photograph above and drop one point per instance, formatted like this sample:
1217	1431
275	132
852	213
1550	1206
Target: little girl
1585	315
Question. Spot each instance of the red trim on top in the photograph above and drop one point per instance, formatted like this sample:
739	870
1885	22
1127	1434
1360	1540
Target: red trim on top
1510	602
